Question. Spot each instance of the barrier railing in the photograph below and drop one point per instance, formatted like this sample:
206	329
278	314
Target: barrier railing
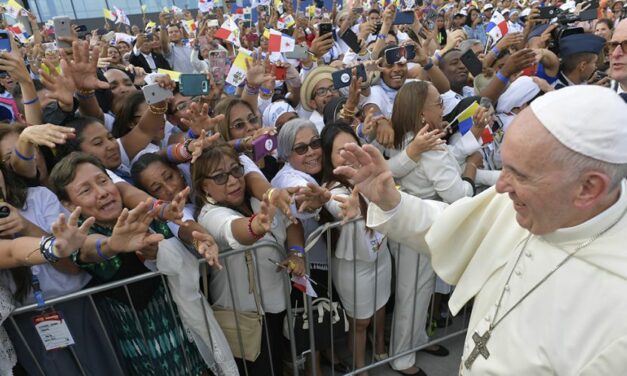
444	334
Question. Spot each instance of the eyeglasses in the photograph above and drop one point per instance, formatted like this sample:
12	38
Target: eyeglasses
324	90
613	44
301	149
221	179
241	124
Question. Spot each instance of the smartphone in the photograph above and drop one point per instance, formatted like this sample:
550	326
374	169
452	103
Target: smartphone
5	41
350	38
394	55
546	13
410	52
325	28
299	52
377	28
62	28
149	37
155	94
472	62
279	73
264	145
192	85
404	18
218	65
246	24
344	77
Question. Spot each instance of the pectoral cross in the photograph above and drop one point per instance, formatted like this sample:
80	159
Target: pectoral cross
480	348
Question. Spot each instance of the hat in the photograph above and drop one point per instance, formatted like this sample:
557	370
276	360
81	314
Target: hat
577	43
487	6
525	12
274	111
587	119
315	76
521	91
506	10
514	12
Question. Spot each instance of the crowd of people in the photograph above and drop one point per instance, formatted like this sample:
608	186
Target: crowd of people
101	182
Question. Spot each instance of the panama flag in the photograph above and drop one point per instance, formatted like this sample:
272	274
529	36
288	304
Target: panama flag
228	32
497	28
279	42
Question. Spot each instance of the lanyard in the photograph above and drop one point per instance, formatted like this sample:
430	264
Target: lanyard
39	295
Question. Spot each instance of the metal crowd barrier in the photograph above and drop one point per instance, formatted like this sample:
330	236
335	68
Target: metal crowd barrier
441	335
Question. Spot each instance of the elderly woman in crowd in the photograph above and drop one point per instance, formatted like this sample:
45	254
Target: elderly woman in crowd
81	180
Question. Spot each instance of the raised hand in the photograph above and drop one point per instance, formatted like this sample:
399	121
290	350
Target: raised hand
48	135
82	68
207	247
173	211
385	133
354	90
370	123
312	197
131	230
256	70
518	61
61	88
197	118
13	63
349	206
202	143
69	236
370	174
281	198
262	222
425	140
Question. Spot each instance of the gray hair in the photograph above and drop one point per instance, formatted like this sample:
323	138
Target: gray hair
288	133
579	164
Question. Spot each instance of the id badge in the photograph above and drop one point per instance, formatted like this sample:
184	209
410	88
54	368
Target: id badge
53	330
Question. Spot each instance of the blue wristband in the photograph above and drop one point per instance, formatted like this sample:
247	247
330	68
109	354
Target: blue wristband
360	131
238	142
495	51
297	248
99	250
22	156
169	153
34	100
500	76
191	134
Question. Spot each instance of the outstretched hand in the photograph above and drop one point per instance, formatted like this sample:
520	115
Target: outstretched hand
197	118
173	211
370	174
206	245
349	206
69	236
131	230
312	197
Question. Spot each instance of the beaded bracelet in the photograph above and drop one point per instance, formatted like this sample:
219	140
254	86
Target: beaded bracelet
186	146
34	100
251	232
99	250
501	77
22	156
158	110
46	247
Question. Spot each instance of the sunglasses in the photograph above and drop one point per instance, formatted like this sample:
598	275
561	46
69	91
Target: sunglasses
612	45
241	124
324	90
301	149
221	179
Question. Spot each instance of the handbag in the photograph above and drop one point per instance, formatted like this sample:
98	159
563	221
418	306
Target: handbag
250	323
325	313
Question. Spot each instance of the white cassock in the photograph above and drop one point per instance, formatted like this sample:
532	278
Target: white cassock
574	323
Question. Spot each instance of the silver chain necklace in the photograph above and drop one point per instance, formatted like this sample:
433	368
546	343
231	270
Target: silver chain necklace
481	341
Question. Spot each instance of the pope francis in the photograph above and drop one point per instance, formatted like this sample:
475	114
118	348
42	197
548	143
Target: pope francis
543	253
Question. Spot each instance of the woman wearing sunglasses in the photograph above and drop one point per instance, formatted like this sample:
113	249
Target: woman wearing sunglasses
300	148
238	221
240	127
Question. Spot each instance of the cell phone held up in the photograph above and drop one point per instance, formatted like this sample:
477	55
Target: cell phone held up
394	55
404	18
325	28
472	62
547	13
5	41
155	94
344	77
264	145
192	85
62	28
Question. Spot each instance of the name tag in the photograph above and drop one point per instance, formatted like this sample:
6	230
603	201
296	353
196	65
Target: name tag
53	330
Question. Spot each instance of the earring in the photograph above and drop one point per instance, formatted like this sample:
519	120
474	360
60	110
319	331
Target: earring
210	200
